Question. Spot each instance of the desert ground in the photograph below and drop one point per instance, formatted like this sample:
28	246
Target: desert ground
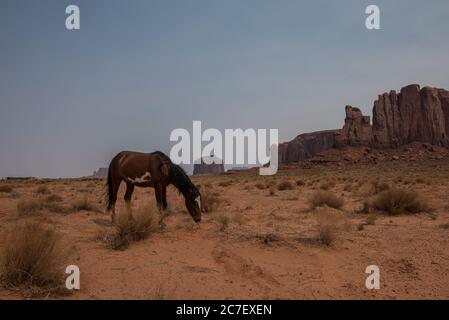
261	237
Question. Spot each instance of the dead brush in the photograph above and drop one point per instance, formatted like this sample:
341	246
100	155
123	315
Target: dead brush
5	189
285	185
43	190
32	256
329	224
83	203
371	188
29	207
397	201
261	186
210	201
223	221
143	222
225	183
325	198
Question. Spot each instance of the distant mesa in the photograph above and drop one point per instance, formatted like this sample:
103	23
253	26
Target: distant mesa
100	173
213	166
410	116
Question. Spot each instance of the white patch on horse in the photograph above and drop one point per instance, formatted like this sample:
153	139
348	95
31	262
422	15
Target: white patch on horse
198	201
145	178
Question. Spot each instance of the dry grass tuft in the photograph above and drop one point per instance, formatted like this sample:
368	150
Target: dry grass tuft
43	190
397	201
210	201
223	222
371	188
29	207
329	225
83	203
300	183
32	255
226	183
5	189
261	186
144	221
322	198
285	185
53	198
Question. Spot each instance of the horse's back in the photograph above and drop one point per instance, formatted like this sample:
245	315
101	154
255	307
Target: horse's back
136	164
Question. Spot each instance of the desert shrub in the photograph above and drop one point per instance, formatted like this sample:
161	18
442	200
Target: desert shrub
83	203
261	186
272	192
32	255
321	198
300	183
371	188
53	198
381	186
223	222
226	183
126	229
348	187
371	220
43	190
329	224
29	207
324	186
397	201
144	222
285	185
210	201
5	189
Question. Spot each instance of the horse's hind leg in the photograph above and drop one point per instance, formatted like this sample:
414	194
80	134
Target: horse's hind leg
115	187
128	196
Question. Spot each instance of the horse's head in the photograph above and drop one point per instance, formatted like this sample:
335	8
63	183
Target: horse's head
192	196
193	204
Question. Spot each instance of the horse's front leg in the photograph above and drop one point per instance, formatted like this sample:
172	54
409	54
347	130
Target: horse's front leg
164	197
128	197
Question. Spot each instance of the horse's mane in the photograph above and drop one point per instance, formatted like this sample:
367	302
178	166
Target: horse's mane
178	177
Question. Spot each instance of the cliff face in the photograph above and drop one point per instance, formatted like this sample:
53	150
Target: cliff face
208	169
306	145
356	131
100	173
413	115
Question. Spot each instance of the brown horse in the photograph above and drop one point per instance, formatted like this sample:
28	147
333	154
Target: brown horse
150	170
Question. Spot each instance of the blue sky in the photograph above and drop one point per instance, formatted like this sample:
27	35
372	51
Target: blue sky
70	100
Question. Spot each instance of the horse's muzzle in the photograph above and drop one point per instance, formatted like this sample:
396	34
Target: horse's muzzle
197	220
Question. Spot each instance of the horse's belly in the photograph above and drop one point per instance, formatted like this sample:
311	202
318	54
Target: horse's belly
148	184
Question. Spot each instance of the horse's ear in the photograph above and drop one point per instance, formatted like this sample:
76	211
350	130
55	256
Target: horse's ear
164	169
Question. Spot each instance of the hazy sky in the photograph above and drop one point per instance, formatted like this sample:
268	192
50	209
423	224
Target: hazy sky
70	100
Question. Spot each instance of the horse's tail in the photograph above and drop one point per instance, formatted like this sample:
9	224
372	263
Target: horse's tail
110	196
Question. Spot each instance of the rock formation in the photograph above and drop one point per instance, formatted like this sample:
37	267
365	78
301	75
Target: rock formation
356	131
306	145
209	169
413	115
100	173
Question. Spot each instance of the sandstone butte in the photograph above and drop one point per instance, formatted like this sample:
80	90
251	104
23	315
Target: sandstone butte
412	115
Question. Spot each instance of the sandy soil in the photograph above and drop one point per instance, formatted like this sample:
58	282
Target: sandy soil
269	250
